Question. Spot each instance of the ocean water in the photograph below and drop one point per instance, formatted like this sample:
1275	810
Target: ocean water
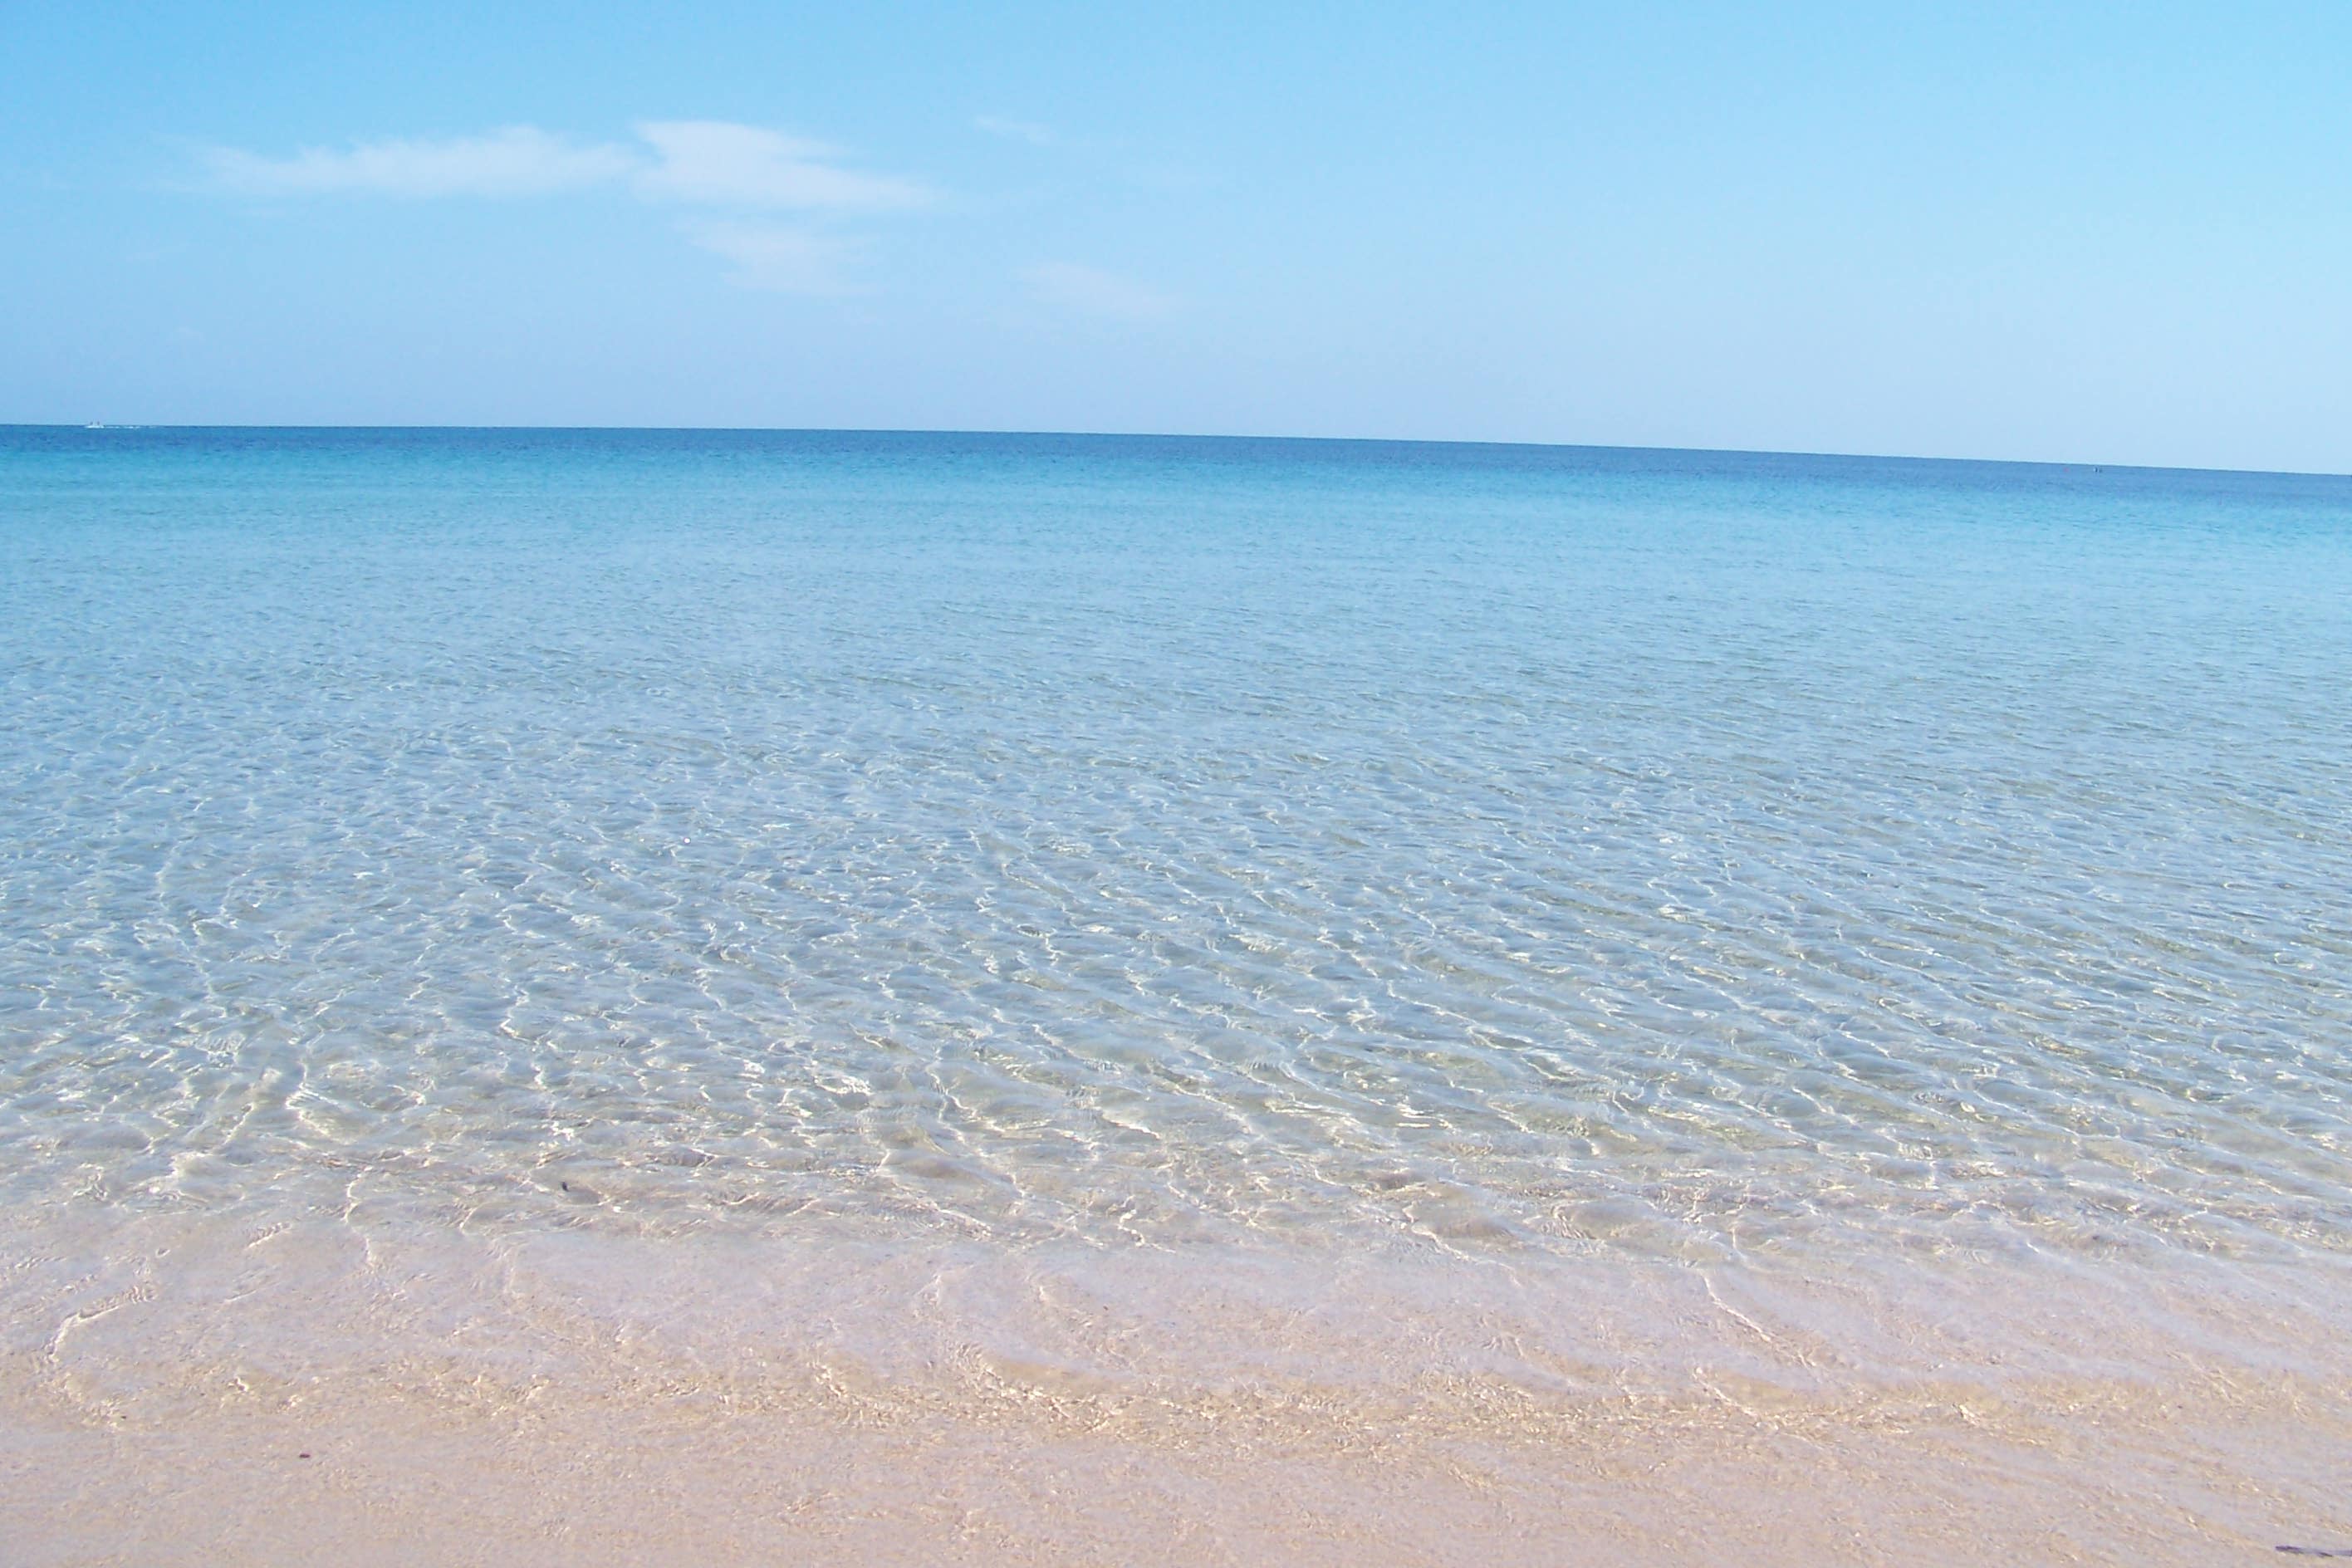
1165	843
931	999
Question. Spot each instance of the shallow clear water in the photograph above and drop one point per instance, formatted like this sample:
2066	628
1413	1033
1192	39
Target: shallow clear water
1682	855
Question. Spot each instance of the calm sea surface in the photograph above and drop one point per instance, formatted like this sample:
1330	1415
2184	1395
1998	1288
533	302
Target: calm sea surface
1647	853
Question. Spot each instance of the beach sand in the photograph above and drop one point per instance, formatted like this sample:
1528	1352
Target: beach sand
192	1391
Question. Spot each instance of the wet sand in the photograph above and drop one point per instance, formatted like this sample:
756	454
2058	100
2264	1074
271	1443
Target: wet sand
209	1391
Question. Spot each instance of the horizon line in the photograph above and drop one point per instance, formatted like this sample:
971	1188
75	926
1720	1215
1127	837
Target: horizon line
2091	464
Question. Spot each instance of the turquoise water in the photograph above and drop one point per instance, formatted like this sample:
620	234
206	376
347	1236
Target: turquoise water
1123	840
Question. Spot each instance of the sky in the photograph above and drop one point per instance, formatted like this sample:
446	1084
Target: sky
2066	232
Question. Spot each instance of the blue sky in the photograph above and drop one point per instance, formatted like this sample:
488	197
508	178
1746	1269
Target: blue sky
2086	233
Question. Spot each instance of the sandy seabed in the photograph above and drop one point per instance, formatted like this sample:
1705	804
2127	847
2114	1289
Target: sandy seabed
179	1389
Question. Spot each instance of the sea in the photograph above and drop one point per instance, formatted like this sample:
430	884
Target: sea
1443	884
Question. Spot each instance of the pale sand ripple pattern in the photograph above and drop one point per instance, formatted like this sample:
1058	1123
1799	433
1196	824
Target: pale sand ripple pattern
201	1390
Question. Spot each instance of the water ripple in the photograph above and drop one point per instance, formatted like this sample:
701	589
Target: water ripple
1154	843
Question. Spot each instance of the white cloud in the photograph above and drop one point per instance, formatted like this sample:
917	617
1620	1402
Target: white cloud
709	164
775	258
706	163
1027	131
518	161
1090	291
719	165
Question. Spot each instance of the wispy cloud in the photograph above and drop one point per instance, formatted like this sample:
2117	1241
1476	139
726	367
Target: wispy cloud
708	162
1090	291
777	259
520	160
729	171
717	163
1027	131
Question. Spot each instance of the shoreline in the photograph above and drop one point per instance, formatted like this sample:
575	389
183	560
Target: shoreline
581	1398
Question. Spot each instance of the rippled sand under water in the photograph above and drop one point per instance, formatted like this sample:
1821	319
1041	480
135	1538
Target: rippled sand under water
642	996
